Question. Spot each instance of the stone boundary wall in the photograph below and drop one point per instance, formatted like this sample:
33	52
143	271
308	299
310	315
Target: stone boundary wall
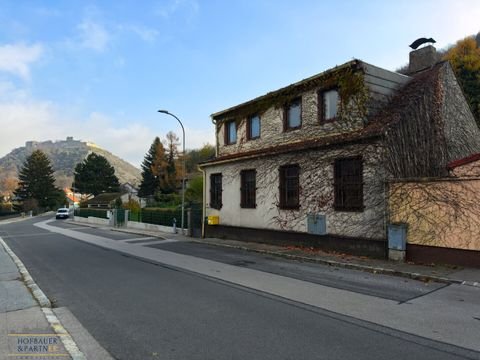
438	213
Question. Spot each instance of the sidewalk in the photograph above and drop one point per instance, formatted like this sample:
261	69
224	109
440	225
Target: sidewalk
30	328
24	326
438	273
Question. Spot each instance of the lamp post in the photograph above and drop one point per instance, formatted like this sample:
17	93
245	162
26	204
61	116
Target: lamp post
184	167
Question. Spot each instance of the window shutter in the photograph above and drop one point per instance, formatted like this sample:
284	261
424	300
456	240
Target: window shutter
225	133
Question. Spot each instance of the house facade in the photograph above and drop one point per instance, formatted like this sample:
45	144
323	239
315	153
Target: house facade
310	163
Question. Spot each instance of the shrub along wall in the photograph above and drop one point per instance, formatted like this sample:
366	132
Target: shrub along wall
84	212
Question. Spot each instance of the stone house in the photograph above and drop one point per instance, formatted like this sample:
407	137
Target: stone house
310	163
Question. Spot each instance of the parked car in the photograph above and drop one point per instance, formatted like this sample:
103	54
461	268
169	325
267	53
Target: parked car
62	213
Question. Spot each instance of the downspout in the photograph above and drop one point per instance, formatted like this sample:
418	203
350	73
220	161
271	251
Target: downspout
204	202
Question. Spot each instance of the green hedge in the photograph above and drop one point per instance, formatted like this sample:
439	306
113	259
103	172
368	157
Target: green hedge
86	212
158	216
9	213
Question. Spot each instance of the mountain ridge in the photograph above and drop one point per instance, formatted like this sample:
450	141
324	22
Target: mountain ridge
64	156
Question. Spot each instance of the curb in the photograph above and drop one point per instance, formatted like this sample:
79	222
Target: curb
365	268
38	294
45	306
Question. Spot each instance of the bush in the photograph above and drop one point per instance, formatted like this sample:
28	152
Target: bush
132	205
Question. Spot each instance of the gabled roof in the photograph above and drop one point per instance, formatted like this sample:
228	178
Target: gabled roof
287	89
399	105
104	199
405	97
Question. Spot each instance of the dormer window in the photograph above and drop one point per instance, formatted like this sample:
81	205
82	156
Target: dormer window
230	132
293	115
328	105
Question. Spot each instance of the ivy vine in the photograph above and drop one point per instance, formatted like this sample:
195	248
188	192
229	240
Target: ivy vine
349	80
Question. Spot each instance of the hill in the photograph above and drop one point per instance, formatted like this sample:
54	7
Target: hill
64	155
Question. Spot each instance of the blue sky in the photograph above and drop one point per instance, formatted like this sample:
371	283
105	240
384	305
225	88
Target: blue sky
98	71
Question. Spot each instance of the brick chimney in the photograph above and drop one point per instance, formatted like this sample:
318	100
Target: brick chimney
422	58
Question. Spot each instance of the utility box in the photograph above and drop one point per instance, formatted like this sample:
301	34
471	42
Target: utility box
213	220
397	241
316	224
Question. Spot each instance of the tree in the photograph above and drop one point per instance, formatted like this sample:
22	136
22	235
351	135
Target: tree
153	169
196	156
132	205
465	60
8	185
36	183
194	191
95	175
172	156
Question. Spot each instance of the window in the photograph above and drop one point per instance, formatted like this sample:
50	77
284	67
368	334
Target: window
216	191
289	187
253	127
293	115
230	132
348	184
248	188
328	105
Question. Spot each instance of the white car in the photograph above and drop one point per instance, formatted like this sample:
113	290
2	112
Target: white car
62	213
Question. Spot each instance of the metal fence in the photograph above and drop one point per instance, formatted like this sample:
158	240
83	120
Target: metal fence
8	214
156	216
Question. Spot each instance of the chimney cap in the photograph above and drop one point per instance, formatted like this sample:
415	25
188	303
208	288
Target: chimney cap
420	41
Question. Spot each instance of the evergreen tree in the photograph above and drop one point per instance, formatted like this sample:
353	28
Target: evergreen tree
95	175
36	183
153	167
465	60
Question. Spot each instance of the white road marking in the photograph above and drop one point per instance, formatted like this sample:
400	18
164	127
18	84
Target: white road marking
135	239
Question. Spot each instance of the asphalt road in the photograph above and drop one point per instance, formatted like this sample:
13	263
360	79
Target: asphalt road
140	310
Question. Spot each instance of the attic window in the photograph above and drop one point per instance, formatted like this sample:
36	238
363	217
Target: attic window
293	115
328	105
230	132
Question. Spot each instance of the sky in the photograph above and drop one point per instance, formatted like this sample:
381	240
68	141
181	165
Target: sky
99	71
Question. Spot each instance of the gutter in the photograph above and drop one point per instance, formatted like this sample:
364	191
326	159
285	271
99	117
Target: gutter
268	153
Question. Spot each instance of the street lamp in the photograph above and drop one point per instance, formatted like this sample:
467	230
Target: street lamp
184	167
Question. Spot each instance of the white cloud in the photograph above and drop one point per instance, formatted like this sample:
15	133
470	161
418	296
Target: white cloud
145	33
93	35
168	9
196	138
17	58
24	119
